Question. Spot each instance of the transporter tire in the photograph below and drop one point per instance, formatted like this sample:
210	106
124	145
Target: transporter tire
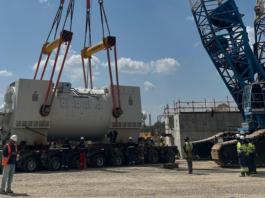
170	158
137	158
75	163
30	165
54	164
98	161
154	158
117	160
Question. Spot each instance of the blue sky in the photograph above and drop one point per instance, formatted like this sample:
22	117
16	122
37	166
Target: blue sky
159	48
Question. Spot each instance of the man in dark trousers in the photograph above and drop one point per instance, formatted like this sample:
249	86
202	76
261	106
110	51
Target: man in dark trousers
188	150
112	136
82	153
141	146
65	156
161	143
251	150
242	156
131	148
9	164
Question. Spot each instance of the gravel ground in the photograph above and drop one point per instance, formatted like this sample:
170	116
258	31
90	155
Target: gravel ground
208	180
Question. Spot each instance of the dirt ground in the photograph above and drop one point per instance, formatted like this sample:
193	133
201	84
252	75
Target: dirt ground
208	181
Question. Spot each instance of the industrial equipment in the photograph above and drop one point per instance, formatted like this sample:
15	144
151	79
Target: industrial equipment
225	39
41	113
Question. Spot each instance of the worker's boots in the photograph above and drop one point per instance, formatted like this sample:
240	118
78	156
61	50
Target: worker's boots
3	192
9	191
242	175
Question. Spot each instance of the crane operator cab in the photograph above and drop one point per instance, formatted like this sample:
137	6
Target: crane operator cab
254	106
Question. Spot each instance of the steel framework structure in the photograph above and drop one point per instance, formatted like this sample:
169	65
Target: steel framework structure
259	25
225	39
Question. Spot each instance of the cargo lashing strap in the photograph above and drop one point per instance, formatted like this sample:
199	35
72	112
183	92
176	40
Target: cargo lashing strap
107	43
56	21
48	47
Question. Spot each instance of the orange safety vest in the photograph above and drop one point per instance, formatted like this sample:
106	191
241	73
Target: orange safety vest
5	159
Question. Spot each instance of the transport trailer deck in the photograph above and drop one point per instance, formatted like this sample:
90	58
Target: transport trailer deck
97	155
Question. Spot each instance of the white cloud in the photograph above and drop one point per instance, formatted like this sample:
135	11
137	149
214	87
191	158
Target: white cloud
5	73
163	66
73	65
148	86
43	1
251	35
190	18
196	45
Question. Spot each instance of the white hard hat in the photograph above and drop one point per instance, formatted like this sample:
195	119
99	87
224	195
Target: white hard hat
237	136
161	137
242	132
130	138
82	138
242	137
247	137
14	138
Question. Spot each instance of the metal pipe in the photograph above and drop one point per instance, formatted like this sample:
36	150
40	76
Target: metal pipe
49	47
65	36
106	43
87	52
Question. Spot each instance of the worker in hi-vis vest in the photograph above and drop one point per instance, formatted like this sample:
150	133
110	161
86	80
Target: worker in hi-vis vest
9	164
242	156
188	150
161	143
251	150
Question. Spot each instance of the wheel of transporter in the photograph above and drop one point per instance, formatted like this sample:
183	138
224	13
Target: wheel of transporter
117	160
30	165
154	158
75	163
98	161
170	158
55	164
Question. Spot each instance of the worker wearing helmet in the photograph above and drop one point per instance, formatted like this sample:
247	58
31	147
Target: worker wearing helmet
188	150
242	156
82	153
9	164
112	135
141	146
65	155
161	143
152	142
131	149
238	137
251	155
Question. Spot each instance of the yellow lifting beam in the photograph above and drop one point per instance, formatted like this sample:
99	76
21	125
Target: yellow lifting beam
48	47
108	42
